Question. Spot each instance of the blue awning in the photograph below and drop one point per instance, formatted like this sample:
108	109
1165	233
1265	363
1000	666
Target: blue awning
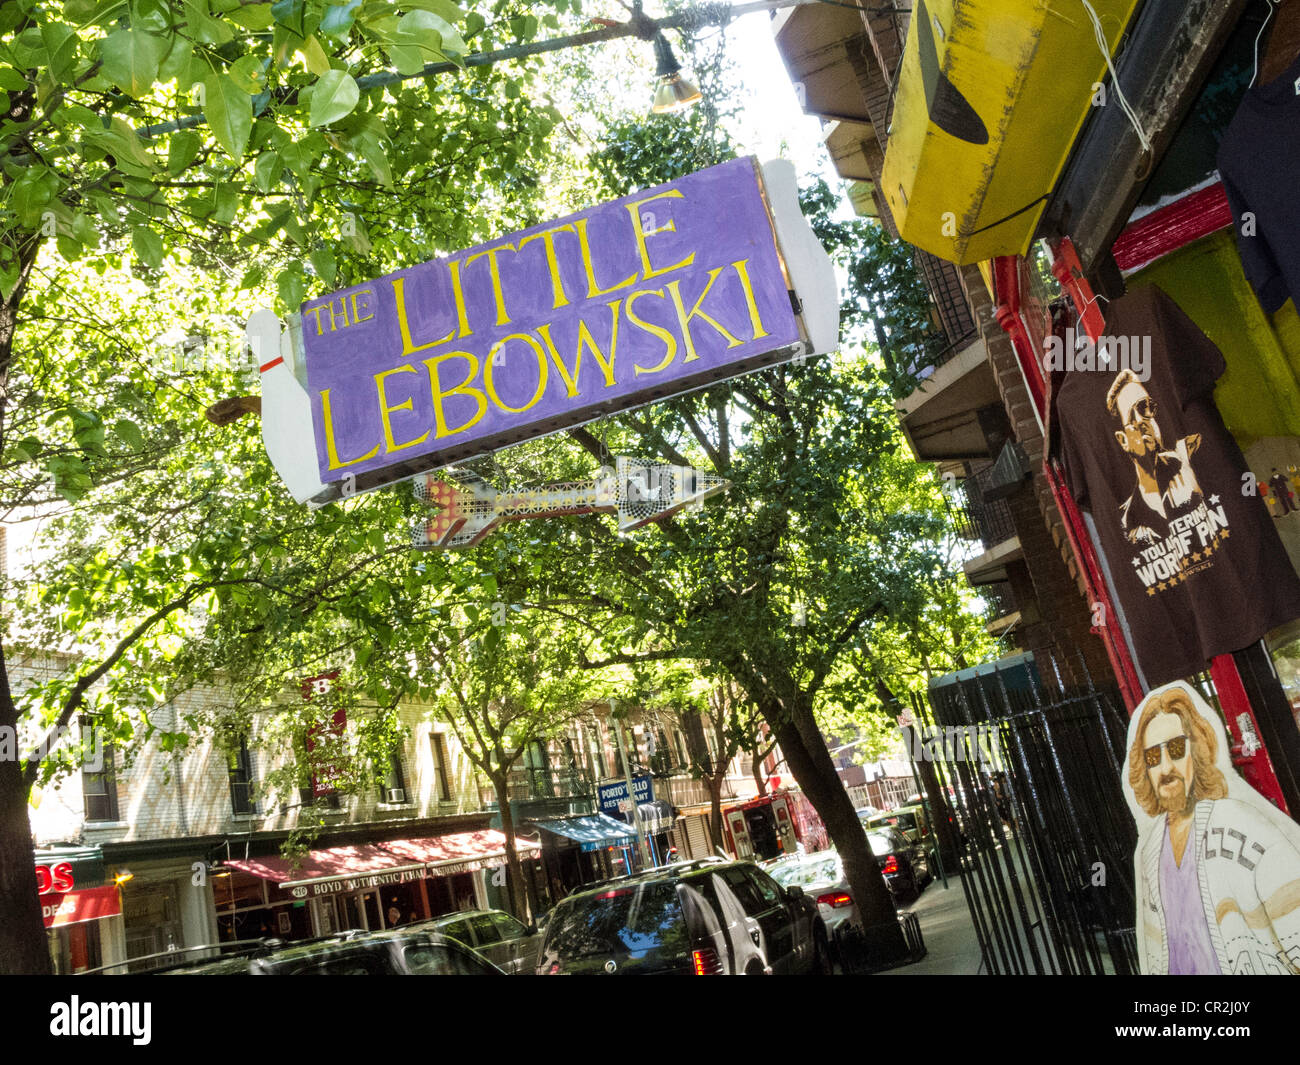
593	832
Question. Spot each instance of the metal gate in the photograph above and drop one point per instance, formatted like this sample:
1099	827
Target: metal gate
1046	837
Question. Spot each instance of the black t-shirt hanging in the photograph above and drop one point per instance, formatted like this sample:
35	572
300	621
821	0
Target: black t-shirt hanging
1259	158
1198	567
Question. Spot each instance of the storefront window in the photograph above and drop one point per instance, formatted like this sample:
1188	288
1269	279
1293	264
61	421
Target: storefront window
151	916
1284	647
75	948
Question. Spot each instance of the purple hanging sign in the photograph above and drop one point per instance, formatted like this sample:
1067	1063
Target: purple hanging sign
645	297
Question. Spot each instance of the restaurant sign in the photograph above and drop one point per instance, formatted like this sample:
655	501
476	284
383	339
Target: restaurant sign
344	885
658	293
613	793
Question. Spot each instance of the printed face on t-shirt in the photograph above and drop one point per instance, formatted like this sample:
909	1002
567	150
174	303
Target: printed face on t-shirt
1140	436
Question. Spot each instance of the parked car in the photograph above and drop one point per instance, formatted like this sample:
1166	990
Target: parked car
504	940
902	860
704	918
821	877
398	952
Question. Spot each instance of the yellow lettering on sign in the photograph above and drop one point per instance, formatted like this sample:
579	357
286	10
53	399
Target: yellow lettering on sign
638	228
385	409
494	269
559	298
670	341
331	448
462	389
409	346
593	289
742	272
585	340
541	372
356	314
684	318
334	318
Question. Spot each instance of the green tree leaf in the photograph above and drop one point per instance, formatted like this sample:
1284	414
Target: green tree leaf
229	111
334	96
148	246
130	59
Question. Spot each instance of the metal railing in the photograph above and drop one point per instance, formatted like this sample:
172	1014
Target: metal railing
976	518
999	596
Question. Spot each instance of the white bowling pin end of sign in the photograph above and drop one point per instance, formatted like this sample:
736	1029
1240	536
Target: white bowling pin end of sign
286	410
810	269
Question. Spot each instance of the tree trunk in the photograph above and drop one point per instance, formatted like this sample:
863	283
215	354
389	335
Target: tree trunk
881	937
940	812
715	809
23	946
514	868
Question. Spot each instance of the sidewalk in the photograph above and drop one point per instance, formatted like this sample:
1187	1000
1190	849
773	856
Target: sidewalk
951	944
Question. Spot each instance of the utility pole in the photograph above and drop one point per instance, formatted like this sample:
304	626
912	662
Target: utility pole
631	798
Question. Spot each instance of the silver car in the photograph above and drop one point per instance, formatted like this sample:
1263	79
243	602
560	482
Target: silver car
821	876
502	939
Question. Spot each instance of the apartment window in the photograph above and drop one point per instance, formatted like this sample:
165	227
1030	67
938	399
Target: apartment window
308	797
682	758
392	782
597	752
438	741
662	760
240	765
99	784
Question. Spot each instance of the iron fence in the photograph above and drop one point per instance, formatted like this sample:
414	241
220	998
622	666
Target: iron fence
1046	838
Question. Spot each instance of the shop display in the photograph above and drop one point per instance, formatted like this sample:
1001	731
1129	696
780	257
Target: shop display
1198	567
1217	867
1258	159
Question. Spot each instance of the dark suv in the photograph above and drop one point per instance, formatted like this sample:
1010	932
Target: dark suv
393	953
704	918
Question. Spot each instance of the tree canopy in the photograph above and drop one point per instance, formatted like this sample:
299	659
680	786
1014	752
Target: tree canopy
169	166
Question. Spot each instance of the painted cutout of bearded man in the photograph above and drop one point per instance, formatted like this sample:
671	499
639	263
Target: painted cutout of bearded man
1217	867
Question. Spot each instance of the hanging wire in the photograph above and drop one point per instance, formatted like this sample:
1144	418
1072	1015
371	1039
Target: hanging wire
1114	78
1272	4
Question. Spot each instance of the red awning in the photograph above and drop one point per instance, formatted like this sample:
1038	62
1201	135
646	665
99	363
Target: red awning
393	861
89	904
334	863
460	852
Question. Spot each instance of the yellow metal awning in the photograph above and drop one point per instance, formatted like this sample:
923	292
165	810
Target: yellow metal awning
991	97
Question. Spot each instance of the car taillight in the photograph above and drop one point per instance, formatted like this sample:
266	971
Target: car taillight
891	865
706	962
835	899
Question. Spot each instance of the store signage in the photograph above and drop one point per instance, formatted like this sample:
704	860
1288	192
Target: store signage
317	888
91	904
614	794
324	773
641	298
54	878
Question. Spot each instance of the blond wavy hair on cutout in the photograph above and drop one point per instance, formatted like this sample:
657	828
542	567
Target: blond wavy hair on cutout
1208	781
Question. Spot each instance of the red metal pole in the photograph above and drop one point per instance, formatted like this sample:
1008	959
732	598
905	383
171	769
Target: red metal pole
1256	767
1006	270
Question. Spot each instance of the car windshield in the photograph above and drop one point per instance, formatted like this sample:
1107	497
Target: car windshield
881	843
811	872
623	920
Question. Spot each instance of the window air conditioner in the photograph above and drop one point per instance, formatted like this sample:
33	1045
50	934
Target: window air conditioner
395	795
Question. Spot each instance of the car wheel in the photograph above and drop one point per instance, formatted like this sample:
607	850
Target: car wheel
754	968
821	963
